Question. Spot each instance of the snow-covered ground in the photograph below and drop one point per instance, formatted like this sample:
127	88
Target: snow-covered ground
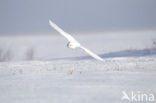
61	75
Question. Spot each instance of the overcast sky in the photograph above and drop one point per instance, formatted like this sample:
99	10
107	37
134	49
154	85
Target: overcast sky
31	16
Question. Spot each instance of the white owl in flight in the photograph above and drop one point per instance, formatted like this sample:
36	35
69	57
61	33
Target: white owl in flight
72	42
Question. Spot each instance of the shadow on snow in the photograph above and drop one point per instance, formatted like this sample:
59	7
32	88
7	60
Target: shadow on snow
125	53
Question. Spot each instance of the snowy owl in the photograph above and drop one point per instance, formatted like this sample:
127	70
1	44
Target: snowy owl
72	42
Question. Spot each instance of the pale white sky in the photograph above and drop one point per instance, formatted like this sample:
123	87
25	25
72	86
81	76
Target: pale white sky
31	16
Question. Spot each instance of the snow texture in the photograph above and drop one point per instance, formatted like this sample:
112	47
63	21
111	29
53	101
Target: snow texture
57	74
